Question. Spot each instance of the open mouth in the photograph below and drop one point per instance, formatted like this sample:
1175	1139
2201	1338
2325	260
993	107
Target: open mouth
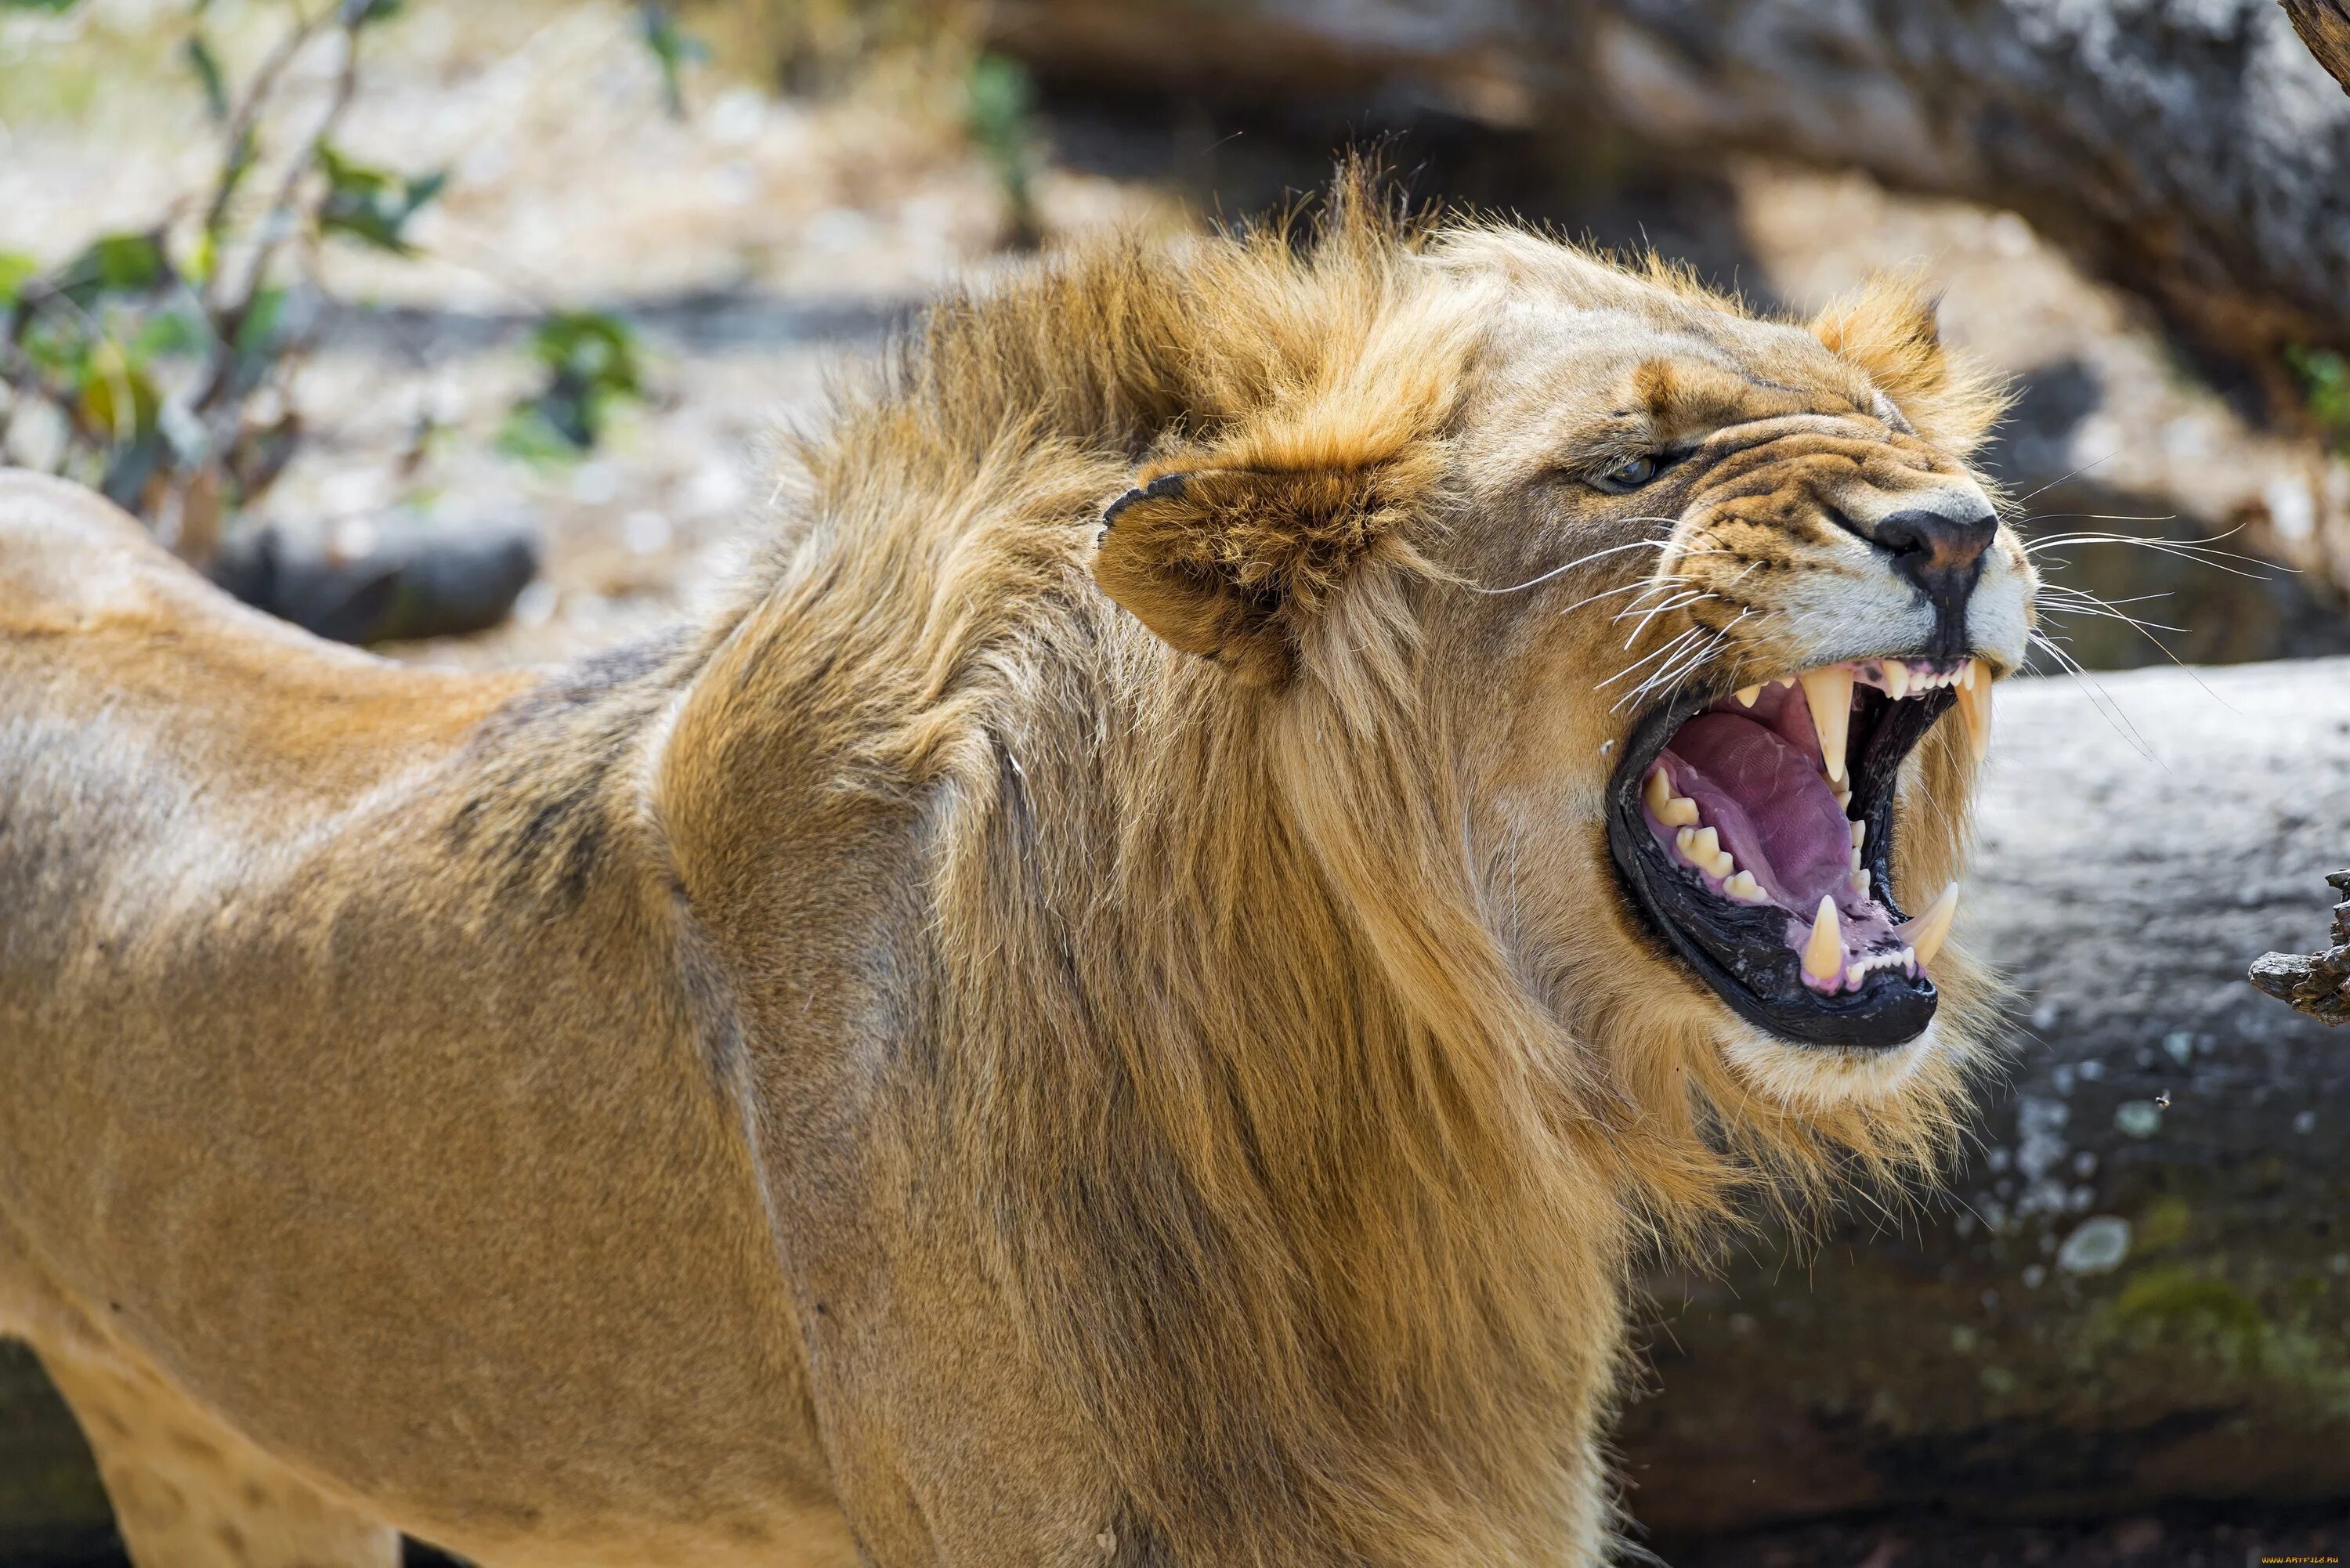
1755	831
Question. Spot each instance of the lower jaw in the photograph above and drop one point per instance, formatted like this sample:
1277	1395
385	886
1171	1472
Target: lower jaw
1739	952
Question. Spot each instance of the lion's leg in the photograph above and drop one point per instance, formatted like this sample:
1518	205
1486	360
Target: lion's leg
189	1493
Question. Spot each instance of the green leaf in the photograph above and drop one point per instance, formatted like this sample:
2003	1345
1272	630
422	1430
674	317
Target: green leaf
529	435
207	66
365	13
2323	378
117	398
166	332
115	263
373	205
16	269
56	6
673	48
1000	97
591	362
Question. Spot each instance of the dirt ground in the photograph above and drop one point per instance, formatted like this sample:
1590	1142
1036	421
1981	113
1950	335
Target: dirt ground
763	245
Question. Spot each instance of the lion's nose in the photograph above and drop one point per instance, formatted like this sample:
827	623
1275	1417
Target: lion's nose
1943	556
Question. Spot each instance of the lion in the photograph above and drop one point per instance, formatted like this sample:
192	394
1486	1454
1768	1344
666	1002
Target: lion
1273	812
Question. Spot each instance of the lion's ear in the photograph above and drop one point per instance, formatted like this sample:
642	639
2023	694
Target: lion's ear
1234	564
1889	330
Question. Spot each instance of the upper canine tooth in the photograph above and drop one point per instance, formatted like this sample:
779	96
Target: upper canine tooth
1747	694
1897	679
1824	951
1974	706
1925	934
1828	693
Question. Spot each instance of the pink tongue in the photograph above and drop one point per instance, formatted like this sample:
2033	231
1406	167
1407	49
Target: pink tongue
1774	811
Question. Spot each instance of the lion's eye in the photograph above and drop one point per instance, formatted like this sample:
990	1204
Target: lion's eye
1628	476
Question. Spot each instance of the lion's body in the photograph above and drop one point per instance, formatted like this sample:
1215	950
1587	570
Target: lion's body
485	1248
914	1065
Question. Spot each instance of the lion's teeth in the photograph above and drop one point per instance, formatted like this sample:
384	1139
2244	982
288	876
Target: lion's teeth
1824	953
1703	849
1897	679
1746	889
1926	934
1974	706
1859	833
1859	880
1747	694
1828	693
1672	810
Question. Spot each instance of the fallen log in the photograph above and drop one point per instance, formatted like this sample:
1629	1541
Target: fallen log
2192	150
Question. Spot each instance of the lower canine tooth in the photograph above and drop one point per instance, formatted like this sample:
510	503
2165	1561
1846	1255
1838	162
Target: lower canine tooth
1824	953
1974	707
1828	693
1926	934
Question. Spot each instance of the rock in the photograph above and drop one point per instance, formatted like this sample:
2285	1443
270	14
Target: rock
364	582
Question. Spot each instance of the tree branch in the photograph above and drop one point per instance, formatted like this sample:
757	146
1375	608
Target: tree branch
2325	27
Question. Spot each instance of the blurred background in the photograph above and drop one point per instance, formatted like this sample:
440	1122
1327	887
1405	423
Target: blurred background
460	331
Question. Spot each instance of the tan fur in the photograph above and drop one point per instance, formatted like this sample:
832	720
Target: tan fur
918	1063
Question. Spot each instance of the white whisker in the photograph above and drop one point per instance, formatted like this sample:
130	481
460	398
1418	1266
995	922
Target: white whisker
1646	658
2101	699
2074	474
1650	614
1579	561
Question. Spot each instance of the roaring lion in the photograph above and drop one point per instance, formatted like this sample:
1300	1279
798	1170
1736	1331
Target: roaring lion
1275	812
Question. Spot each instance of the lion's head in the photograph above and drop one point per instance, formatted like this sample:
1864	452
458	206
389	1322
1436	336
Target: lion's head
1690	619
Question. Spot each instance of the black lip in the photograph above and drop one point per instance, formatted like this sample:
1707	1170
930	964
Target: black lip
1740	949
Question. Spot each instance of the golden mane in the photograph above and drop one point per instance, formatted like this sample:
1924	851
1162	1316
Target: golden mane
1235	1061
